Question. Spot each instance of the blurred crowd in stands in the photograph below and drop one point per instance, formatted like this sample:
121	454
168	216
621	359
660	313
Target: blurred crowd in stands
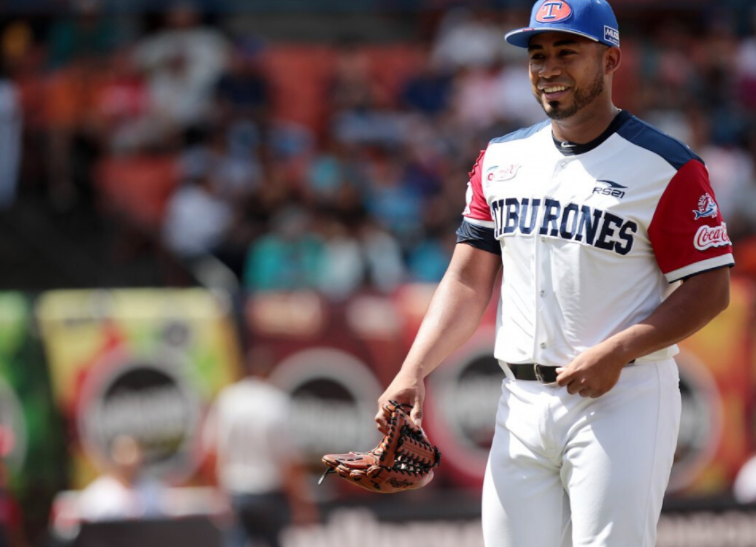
330	166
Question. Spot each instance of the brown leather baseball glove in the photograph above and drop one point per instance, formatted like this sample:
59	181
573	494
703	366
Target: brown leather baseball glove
403	460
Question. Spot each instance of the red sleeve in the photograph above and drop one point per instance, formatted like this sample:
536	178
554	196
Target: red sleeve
476	207
687	231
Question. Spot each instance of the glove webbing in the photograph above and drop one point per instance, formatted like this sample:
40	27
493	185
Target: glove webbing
411	448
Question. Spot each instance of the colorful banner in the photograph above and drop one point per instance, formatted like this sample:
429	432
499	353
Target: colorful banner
718	379
145	363
31	440
335	359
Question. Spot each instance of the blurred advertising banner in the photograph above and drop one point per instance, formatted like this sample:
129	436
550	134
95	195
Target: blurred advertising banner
30	439
723	526
336	358
146	363
717	380
187	532
333	358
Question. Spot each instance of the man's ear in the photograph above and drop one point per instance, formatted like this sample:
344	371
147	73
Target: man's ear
612	59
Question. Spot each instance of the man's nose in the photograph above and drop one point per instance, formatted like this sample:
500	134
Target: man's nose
550	67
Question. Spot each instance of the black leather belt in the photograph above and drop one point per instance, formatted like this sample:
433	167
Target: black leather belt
533	371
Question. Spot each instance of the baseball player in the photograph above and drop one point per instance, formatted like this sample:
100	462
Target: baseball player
613	250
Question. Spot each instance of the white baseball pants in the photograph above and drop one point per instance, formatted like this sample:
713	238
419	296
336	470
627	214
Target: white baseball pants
568	471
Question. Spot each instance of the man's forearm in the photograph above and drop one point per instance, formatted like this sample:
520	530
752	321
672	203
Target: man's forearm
686	311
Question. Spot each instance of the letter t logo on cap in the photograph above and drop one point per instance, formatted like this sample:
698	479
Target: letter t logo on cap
553	11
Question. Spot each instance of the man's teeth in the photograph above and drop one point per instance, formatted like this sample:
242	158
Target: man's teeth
555	89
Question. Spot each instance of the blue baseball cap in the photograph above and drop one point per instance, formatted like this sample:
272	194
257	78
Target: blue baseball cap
593	19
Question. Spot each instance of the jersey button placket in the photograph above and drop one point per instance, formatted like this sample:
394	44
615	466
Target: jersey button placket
539	250
542	252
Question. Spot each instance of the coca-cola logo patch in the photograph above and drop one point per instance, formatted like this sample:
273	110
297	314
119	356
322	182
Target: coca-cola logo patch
711	236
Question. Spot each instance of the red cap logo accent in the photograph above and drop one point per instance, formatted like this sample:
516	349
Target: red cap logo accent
553	11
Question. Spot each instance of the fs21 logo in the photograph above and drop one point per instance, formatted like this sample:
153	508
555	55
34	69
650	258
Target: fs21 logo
553	12
612	189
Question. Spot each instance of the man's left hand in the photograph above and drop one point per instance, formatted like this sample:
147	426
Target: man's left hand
592	373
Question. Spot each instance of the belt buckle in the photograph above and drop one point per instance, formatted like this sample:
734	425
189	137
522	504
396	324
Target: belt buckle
539	377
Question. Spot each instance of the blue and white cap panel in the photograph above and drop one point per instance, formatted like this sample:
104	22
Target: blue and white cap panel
593	19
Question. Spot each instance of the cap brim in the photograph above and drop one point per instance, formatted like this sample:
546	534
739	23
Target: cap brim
521	37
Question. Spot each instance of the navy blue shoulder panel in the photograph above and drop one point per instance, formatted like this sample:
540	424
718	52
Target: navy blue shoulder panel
647	136
522	133
479	237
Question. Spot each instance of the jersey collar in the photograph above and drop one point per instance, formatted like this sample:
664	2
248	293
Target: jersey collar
568	148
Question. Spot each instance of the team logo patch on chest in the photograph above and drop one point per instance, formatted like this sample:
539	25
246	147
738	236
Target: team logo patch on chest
502	173
707	207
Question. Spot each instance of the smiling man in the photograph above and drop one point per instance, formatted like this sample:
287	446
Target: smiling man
613	250
553	93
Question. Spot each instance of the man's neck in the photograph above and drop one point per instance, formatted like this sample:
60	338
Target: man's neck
584	126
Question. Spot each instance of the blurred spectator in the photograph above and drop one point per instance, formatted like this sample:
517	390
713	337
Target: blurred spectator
290	146
75	139
233	154
197	218
241	92
423	165
343	265
10	139
395	205
428	91
383	255
235	177
671	79
380	153
353	87
467	39
79	47
472	106
123	491
290	257
514	97
733	180
745	66
122	106
360	112
328	172
183	63
249	436
427	261
371	127
347	206
23	61
85	34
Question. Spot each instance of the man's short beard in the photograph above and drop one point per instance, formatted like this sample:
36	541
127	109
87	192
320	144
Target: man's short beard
582	99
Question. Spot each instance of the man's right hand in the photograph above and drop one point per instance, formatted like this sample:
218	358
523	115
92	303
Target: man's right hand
406	388
453	315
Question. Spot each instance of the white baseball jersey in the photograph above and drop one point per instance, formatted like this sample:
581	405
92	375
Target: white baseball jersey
593	237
